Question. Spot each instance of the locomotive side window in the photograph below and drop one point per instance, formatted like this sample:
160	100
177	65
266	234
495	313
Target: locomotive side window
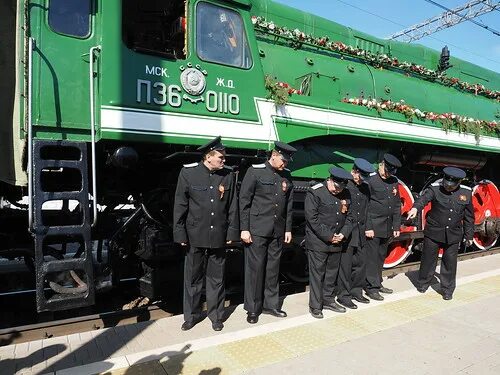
155	27
220	36
70	17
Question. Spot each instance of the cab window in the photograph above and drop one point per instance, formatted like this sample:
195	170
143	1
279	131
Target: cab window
70	17
155	27
220	36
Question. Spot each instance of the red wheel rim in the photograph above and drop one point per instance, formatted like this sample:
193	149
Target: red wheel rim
399	250
486	202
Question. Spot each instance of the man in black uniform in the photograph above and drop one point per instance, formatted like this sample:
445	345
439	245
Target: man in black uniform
206	217
352	274
266	197
450	219
328	225
383	224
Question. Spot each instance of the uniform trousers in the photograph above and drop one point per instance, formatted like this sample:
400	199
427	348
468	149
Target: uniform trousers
376	252
262	266
448	270
323	272
202	264
344	281
358	273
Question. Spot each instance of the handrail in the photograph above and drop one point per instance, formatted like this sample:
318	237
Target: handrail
30	132
92	133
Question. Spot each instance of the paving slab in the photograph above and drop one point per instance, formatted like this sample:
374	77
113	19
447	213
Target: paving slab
416	332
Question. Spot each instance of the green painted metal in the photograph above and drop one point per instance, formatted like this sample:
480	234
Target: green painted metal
125	78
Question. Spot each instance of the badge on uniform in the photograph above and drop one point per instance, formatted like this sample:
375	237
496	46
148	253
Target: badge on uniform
463	198
343	202
394	191
284	186
221	191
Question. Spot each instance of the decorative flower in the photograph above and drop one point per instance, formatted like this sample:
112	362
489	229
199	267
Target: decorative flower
378	60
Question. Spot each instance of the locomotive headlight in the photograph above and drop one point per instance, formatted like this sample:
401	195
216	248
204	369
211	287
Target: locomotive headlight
124	157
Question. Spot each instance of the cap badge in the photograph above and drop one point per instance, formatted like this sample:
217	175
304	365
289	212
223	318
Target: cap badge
221	191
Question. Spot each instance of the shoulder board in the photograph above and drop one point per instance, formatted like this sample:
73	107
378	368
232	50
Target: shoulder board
286	169
259	166
373	174
437	183
228	168
190	165
317	186
465	187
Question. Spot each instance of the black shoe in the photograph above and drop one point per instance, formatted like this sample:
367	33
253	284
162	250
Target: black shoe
334	306
385	290
252	318
217	325
186	326
274	312
447	297
361	299
347	303
375	295
316	313
422	289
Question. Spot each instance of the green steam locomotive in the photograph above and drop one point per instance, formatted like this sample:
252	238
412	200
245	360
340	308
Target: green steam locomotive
103	101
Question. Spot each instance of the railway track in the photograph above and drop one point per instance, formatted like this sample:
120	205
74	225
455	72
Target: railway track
19	334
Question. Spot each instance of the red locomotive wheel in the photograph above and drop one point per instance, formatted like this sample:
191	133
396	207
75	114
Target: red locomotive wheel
399	250
486	202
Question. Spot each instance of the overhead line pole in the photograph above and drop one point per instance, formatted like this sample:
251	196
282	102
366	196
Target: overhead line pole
447	19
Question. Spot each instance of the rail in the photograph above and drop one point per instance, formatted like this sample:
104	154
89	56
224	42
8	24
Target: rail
31	43
92	132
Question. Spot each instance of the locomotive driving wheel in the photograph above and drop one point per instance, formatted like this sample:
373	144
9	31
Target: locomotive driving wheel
399	250
486	202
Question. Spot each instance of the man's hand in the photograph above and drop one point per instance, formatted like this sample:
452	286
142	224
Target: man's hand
469	243
338	237
396	233
411	214
246	237
369	233
288	237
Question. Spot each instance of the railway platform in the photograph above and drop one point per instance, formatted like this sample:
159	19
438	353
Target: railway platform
408	332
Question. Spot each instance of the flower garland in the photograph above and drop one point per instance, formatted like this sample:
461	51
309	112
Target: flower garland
279	91
298	38
448	121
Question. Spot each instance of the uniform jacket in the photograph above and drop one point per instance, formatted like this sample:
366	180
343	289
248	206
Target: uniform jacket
451	216
360	196
326	214
384	208
266	198
206	207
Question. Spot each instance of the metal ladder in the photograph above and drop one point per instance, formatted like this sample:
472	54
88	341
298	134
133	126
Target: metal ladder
76	269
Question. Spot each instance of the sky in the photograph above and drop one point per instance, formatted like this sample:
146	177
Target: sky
382	18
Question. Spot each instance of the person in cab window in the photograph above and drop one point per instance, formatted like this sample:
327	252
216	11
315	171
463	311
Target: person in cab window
450	220
221	35
205	219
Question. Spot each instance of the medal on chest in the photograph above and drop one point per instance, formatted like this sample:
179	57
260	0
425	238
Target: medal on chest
221	191
394	191
462	198
343	206
284	185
